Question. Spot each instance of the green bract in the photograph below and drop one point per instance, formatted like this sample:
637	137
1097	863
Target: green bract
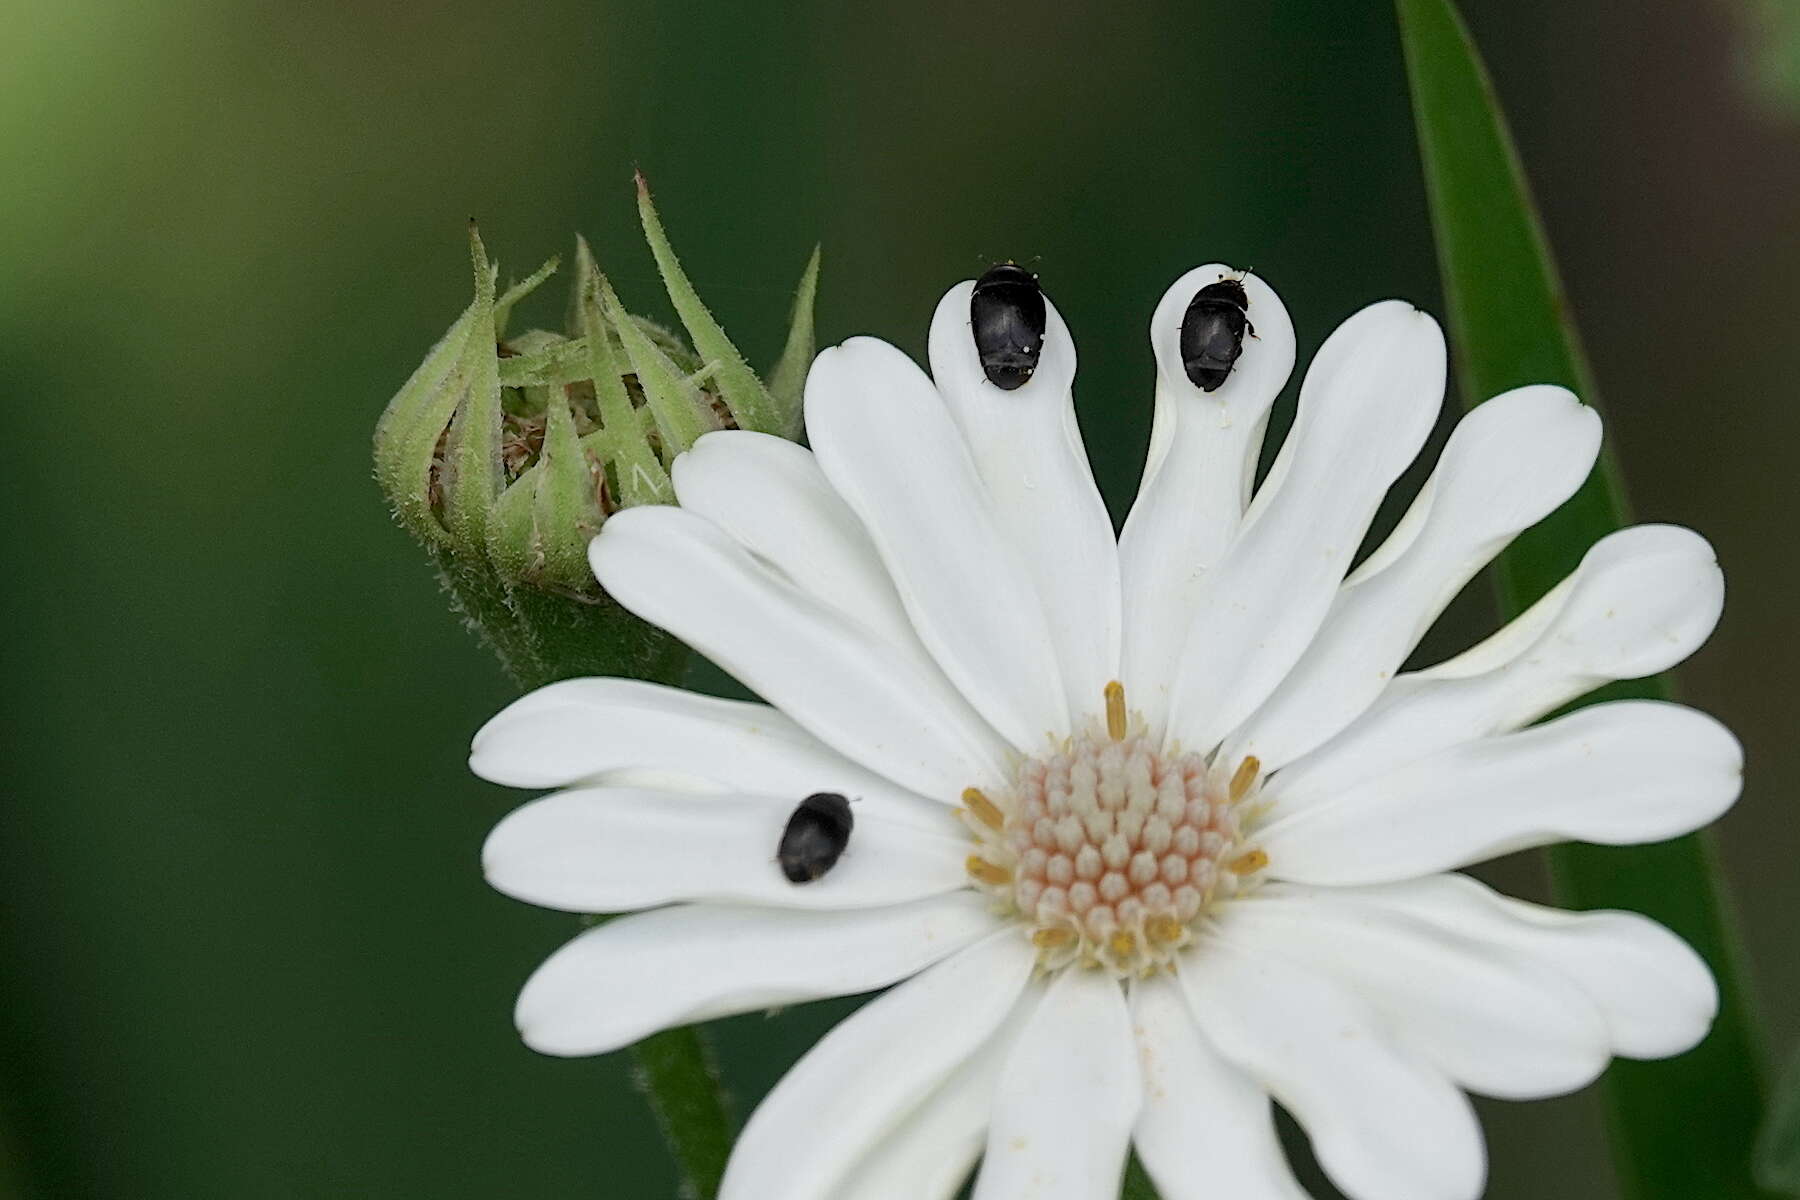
504	453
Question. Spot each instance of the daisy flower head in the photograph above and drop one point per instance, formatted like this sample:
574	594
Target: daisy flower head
1148	831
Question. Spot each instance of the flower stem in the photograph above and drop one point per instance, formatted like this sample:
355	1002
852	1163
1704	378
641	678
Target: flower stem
1683	1128
679	1077
563	638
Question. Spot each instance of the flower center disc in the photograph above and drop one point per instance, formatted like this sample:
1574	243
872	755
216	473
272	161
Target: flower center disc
1110	850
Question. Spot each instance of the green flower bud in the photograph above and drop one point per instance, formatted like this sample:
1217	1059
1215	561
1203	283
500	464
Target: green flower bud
504	453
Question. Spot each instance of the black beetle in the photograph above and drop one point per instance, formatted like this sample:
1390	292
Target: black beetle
1212	332
815	836
1006	314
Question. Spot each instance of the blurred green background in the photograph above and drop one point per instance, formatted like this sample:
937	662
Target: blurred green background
245	949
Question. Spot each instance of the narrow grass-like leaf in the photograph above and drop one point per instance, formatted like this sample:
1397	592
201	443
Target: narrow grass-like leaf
1681	1129
787	382
749	401
1778	1147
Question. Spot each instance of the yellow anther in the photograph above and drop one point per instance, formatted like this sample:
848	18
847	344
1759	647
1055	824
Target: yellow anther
1052	938
1163	928
1115	711
1244	777
983	808
987	872
1123	943
1248	863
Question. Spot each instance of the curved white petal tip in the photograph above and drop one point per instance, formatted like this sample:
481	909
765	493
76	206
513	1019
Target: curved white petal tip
1268	351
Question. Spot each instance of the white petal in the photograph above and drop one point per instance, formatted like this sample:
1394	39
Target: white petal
864	1079
674	966
851	690
613	849
1385	1124
1618	774
1490	1018
1027	449
770	494
1655	994
1068	1097
1206	1130
887	443
614	730
1368	402
1642	600
930	1154
1197	476
1508	465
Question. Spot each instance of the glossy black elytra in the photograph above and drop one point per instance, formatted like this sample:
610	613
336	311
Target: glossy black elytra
1006	315
1212	332
815	836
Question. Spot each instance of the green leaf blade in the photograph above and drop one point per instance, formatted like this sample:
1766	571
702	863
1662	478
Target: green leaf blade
1681	1129
1778	1147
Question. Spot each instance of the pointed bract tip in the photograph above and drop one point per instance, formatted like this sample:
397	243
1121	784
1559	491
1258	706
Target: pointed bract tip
478	258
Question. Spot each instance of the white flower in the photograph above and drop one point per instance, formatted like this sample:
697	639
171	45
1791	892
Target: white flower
1155	907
